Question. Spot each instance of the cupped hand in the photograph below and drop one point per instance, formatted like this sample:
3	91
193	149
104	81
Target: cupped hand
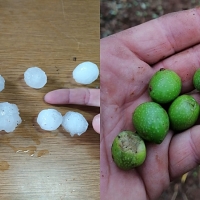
128	61
80	96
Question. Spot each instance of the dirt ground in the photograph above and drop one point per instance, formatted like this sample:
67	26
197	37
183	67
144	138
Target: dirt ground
117	15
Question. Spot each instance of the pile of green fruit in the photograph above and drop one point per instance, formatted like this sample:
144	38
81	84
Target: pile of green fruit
152	120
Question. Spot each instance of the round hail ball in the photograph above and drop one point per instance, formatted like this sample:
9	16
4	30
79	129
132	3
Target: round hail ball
2	83
74	123
49	119
86	73
35	77
9	117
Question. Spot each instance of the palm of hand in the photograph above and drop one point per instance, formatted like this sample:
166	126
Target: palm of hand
119	101
124	82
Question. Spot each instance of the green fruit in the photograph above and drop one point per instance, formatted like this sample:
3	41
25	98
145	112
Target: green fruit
183	112
128	150
151	122
196	79
164	86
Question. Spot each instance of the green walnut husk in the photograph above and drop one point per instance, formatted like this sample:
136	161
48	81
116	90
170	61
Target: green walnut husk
183	112
164	86
196	79
128	150
151	122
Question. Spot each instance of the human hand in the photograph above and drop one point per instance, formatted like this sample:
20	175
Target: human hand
128	61
81	96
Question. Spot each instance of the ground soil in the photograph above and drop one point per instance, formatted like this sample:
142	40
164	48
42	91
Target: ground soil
117	15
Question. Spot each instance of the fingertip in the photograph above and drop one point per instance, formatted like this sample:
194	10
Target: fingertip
47	97
184	152
96	123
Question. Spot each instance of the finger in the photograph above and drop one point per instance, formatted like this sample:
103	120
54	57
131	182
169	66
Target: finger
156	166
184	152
162	37
81	96
96	123
184	64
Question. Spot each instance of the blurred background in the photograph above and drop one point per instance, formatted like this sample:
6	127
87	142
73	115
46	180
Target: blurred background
117	15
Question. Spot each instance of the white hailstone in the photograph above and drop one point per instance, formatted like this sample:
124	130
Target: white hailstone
9	117
49	119
86	73
2	83
35	77
74	123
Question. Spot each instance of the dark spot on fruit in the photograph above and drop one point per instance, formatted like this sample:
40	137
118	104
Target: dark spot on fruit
150	88
162	69
124	149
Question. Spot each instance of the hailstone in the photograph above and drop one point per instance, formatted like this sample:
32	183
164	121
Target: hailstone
2	83
9	117
49	119
74	123
86	73
35	77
